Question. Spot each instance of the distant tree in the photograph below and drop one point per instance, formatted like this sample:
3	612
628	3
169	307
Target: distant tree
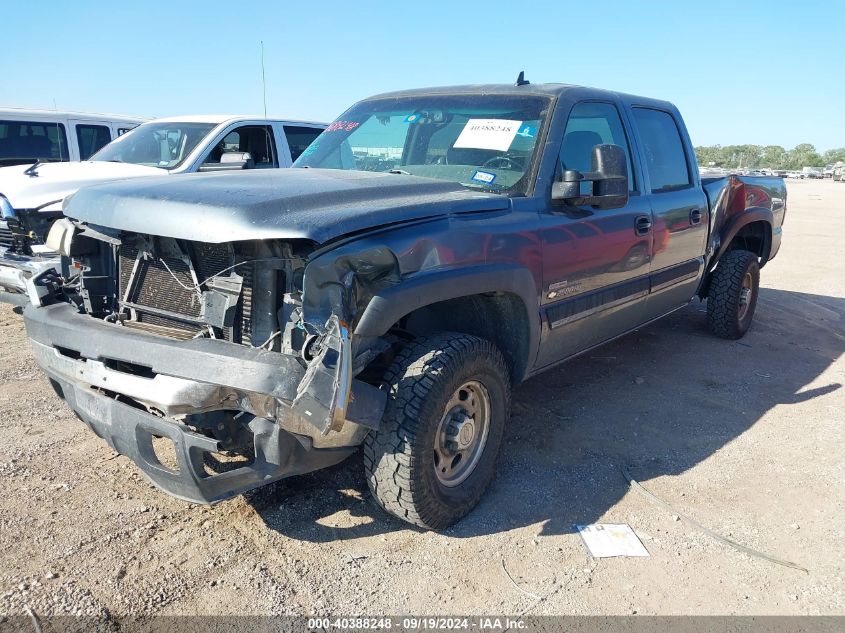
773	157
751	155
708	155
833	156
804	155
768	157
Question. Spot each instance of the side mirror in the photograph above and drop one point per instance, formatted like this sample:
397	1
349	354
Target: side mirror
605	187
231	161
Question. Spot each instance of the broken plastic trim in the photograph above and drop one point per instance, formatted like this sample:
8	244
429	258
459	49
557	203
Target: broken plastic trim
322	396
42	285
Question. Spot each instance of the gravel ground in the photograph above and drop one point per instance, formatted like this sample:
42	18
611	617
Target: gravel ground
746	437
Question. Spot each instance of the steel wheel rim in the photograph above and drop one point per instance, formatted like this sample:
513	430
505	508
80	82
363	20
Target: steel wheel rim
462	434
745	293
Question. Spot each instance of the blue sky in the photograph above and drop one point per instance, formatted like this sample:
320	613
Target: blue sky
741	72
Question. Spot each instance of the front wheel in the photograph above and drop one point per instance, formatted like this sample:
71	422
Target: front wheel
732	296
435	454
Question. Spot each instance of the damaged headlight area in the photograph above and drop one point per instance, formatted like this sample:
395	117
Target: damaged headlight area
176	288
193	340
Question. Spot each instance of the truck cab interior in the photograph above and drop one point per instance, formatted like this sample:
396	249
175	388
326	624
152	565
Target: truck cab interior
256	140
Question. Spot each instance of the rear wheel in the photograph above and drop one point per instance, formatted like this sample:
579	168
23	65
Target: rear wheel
435	453
732	296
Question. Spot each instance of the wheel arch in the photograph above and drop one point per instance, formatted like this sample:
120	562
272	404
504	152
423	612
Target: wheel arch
752	231
497	302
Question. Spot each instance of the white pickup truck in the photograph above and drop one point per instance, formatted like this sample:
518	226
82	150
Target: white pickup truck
31	197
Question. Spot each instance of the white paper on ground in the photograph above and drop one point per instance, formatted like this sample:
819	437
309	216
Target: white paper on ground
604	540
496	134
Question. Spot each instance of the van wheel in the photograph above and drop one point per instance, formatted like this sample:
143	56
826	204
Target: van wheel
732	296
435	453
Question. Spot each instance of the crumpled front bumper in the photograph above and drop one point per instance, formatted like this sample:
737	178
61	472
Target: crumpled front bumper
130	432
84	358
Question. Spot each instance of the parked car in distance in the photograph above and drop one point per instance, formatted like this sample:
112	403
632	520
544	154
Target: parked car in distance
30	136
429	251
31	198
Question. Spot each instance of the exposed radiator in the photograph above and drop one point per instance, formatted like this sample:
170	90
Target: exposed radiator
246	271
162	296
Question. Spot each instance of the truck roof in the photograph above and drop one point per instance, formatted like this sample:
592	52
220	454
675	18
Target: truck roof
217	119
547	89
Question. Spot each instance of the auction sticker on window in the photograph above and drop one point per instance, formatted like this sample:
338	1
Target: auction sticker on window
483	176
496	134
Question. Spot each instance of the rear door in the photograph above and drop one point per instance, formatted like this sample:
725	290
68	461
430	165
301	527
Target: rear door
595	262
679	206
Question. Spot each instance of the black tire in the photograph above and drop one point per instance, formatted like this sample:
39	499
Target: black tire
732	296
399	459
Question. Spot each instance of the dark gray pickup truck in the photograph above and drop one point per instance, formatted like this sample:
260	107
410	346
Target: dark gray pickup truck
433	249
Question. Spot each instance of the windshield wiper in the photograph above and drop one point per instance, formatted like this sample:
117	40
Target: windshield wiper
487	188
399	171
32	170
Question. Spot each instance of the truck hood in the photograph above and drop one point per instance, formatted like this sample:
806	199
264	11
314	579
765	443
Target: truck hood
55	181
313	204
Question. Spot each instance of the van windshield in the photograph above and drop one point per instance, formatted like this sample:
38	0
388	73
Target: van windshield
164	145
484	142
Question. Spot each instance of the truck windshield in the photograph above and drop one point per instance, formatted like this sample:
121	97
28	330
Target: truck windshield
163	145
486	142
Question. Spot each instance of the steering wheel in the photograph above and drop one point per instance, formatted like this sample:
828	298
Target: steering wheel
503	162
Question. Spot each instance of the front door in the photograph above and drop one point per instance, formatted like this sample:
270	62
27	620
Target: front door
257	140
595	262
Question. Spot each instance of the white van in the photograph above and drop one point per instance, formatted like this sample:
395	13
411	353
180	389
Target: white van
29	136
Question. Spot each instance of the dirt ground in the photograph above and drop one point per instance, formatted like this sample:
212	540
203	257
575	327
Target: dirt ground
746	437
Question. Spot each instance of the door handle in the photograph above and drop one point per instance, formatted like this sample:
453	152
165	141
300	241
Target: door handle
695	217
642	226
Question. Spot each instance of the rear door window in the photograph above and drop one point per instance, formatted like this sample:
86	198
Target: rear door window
663	149
30	141
299	138
91	138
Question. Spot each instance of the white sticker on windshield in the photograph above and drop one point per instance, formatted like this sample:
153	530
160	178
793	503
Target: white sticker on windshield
496	134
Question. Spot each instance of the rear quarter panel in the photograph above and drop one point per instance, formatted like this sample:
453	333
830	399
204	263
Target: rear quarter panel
735	201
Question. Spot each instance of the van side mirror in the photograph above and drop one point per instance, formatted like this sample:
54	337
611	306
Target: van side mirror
605	187
230	161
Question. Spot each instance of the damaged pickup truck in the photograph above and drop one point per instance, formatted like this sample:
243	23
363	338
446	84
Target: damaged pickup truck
433	249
